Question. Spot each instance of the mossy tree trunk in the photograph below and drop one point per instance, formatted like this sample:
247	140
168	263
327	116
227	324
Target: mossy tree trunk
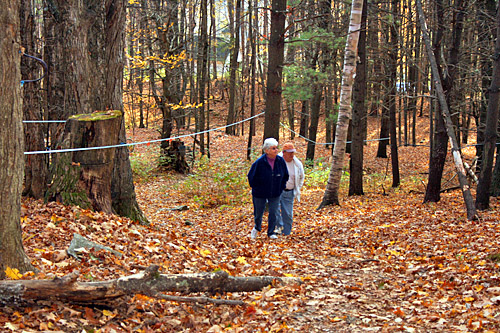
83	177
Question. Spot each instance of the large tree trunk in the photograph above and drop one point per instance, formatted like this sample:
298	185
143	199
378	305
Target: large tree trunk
202	74
149	283
351	51
11	142
469	202
359	113
83	177
68	82
172	91
276	55
393	56
109	63
324	8
439	139
490	134
233	67
386	84
253	59
486	10
438	155
85	57
35	171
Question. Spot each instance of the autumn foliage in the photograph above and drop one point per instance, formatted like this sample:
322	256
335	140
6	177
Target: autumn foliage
383	261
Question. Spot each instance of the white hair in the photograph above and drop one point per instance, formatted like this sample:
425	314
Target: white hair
268	143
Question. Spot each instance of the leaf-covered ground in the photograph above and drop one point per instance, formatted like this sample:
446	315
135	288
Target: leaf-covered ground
381	262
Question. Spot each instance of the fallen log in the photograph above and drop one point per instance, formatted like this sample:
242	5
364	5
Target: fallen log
150	283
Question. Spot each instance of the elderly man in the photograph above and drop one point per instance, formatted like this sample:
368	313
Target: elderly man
267	178
293	187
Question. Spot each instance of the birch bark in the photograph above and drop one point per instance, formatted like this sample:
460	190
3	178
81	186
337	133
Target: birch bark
345	110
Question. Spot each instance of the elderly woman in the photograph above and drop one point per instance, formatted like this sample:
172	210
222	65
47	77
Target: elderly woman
267	177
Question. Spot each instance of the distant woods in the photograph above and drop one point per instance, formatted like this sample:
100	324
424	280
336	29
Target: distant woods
180	58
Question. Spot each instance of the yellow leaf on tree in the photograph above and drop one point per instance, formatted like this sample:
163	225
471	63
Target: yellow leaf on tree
13	273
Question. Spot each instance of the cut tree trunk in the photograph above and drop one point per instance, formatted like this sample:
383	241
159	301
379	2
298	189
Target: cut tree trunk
149	282
174	157
83	177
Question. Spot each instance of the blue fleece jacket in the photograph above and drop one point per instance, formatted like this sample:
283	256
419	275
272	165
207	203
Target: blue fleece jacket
266	182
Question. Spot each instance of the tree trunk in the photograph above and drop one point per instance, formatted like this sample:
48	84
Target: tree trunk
149	283
111	62
486	9
495	182
351	51
317	92
11	142
384	130
490	134
438	155
304	118
175	153
233	68
469	202
83	177
276	54
253	59
359	113
35	171
85	42
324	24
386	82
202	73
393	55
439	139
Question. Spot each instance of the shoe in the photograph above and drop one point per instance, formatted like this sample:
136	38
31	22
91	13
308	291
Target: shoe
253	234
273	236
278	230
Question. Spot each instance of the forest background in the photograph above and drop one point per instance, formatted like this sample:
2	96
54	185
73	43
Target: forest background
381	260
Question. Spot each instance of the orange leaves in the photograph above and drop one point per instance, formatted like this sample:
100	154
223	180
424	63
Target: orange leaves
399	312
381	263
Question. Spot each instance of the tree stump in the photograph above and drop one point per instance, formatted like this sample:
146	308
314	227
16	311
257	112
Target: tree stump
174	157
83	177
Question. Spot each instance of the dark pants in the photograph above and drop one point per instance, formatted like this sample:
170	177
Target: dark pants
259	205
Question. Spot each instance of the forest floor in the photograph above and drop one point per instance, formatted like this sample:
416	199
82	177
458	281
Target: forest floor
382	262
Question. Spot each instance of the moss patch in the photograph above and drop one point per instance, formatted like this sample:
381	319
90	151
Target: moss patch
97	115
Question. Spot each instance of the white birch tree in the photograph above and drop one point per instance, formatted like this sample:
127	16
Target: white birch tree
331	196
